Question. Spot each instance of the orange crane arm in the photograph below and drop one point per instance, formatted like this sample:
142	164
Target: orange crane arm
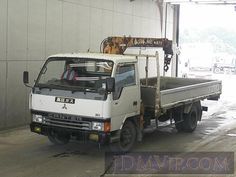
118	45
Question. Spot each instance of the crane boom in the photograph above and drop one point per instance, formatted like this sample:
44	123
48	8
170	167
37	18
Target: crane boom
118	45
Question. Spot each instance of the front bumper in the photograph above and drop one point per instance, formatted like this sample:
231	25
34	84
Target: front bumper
90	135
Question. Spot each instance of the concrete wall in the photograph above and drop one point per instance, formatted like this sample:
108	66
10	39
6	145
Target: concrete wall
30	30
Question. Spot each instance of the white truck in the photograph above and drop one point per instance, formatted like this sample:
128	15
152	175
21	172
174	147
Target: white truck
100	97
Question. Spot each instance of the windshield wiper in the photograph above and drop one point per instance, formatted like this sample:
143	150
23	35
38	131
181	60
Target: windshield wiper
59	85
74	89
49	86
84	90
70	87
43	87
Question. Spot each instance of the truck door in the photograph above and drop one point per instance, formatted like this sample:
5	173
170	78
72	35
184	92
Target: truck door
126	98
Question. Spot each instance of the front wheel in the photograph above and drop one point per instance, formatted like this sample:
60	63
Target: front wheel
127	138
59	139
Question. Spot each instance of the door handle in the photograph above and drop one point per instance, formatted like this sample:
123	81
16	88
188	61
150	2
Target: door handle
135	103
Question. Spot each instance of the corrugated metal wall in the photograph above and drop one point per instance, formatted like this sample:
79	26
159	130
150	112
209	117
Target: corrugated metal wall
30	30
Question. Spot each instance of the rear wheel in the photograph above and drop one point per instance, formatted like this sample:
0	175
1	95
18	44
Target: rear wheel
191	119
199	110
59	139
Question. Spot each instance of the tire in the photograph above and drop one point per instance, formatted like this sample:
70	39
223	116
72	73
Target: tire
59	139
127	140
199	110
191	119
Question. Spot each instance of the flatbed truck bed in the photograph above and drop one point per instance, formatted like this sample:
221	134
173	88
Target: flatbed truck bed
175	92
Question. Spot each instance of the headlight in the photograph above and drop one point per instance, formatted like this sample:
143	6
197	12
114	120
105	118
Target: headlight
97	126
37	118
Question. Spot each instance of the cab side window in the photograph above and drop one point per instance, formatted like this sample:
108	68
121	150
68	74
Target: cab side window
124	77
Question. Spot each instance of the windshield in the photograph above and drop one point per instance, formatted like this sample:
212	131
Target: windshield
75	74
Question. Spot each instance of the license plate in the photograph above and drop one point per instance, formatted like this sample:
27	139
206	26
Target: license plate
65	100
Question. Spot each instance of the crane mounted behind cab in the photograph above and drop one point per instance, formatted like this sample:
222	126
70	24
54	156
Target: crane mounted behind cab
118	45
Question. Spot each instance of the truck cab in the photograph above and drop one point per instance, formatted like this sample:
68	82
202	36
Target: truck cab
87	96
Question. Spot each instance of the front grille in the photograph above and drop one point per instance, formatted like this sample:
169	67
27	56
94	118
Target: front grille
66	121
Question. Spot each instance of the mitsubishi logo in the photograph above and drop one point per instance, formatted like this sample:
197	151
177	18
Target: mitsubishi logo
64	107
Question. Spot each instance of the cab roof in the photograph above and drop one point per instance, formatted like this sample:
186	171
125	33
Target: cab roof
113	57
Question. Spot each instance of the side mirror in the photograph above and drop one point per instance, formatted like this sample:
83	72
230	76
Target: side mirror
110	84
26	77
